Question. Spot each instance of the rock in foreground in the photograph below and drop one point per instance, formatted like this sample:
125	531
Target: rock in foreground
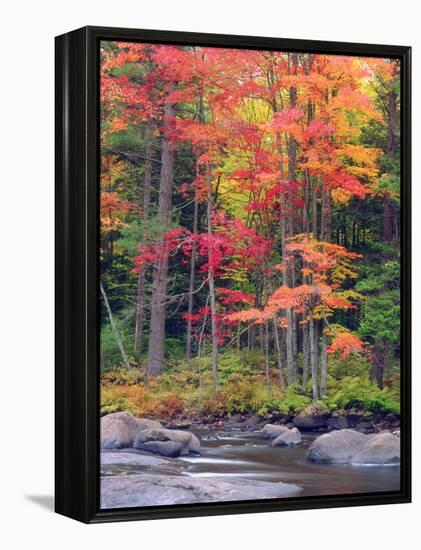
141	490
114	433
131	459
352	447
171	443
119	430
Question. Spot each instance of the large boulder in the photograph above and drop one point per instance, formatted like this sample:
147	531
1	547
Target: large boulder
119	430
352	447
114	433
272	431
337	446
129	419
131	458
312	417
153	490
382	448
287	438
167	442
147	424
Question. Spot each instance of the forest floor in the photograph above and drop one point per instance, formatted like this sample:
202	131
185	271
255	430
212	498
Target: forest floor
243	398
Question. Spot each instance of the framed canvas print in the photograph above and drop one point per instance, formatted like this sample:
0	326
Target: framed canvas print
233	274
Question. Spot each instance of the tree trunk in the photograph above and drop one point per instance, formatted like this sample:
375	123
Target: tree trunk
267	374
289	346
140	301
114	327
306	224
326	222
393	120
305	356
314	228
211	282
379	363
292	167
160	268
313	359
324	363
278	354
192	277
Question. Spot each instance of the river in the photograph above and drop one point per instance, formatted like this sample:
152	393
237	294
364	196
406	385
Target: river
232	454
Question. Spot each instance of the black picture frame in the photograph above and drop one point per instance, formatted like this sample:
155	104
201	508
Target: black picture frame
77	281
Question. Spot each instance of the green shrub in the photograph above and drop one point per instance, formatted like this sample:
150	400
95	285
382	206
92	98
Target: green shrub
361	393
121	376
111	404
293	400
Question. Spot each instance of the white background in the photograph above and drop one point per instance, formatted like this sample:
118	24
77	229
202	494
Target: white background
26	289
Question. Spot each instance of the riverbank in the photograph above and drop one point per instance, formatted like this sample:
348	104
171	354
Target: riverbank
311	419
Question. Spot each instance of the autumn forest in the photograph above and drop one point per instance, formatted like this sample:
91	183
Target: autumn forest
250	230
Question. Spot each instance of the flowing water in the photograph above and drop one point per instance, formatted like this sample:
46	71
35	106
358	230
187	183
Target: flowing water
246	455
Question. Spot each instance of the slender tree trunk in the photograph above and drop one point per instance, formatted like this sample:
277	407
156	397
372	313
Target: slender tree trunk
211	282
393	118
191	282
140	301
278	354
314	228
292	176
288	338
313	359
324	363
267	374
202	330
379	363
305	355
201	110
114	327
326	222
306	223
160	268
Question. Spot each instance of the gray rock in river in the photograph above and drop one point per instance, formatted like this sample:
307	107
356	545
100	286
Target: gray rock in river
171	443
352	447
272	431
287	438
153	490
382	448
119	430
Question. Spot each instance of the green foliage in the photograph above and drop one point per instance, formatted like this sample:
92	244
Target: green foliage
112	403
381	309
122	376
293	400
185	389
353	365
110	353
360	393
